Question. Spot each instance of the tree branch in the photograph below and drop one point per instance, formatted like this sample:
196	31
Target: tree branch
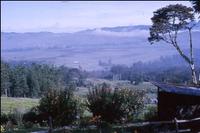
165	39
171	38
186	58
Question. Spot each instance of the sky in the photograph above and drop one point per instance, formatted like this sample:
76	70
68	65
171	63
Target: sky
72	16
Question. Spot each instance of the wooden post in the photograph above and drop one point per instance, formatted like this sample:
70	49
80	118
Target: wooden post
50	124
176	124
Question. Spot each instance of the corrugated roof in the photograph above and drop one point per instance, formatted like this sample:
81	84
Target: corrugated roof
194	91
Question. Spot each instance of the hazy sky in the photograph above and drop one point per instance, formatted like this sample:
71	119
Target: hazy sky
70	16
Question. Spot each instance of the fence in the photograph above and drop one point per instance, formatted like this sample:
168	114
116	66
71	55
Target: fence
173	126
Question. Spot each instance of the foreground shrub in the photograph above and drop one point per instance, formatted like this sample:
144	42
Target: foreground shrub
84	122
114	106
151	114
30	116
59	106
28	124
4	119
13	118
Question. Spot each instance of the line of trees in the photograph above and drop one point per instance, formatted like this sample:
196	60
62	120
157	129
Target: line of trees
33	80
170	69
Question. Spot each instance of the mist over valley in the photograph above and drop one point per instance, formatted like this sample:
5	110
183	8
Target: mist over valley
86	49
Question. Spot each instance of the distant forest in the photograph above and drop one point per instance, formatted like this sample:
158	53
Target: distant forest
171	69
34	80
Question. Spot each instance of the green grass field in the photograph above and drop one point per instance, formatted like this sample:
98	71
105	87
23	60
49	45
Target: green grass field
22	104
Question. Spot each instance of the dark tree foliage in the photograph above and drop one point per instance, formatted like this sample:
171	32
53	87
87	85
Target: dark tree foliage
114	106
4	119
169	19
34	80
196	5
33	84
166	69
29	117
61	106
5	78
19	86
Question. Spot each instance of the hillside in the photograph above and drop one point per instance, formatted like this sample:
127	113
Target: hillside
121	45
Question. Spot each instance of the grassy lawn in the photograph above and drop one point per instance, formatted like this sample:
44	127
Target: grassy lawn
9	104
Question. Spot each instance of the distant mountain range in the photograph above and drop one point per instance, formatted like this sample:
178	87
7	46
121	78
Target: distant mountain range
122	45
129	28
119	28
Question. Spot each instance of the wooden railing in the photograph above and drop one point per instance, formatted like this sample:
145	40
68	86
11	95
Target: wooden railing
190	126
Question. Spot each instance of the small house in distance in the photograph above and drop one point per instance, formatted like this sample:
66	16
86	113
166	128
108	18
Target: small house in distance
181	102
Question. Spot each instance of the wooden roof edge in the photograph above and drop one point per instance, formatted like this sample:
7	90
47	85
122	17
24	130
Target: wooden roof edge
175	85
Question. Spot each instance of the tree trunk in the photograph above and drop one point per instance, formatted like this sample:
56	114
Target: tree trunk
6	92
194	76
